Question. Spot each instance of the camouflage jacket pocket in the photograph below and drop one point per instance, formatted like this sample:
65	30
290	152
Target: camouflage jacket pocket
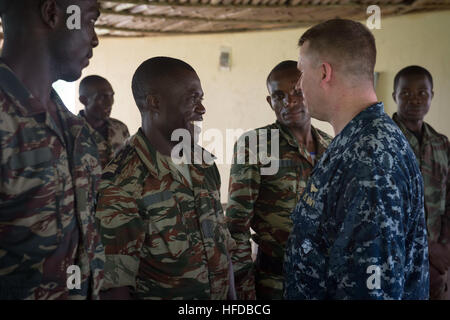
28	170
166	227
30	158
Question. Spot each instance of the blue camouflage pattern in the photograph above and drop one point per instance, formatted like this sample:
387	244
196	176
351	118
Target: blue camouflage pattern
362	211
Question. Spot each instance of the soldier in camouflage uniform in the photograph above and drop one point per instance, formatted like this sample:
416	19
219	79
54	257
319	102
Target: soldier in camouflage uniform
49	165
359	228
97	96
265	202
162	223
413	91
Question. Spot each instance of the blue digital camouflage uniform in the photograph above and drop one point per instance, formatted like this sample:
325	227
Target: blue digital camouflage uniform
362	209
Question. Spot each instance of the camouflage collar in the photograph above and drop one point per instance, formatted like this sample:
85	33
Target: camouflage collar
155	162
25	102
322	145
286	134
82	114
29	106
429	134
291	140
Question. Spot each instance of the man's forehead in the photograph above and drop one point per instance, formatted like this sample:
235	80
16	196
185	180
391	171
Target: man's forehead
414	80
86	5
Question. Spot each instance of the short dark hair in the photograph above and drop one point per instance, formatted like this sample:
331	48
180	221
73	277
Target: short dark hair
349	42
412	70
283	65
88	81
151	74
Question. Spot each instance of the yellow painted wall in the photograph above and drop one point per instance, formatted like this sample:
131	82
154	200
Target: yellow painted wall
236	98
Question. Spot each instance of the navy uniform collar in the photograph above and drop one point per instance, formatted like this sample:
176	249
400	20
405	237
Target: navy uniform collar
357	123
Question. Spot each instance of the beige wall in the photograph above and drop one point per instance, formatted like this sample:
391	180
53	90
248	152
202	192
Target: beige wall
236	98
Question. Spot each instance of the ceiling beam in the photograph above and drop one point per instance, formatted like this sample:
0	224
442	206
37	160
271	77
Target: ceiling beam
191	18
239	6
181	32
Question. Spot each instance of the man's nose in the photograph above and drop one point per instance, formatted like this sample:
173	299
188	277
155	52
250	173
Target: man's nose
415	98
200	108
94	42
292	99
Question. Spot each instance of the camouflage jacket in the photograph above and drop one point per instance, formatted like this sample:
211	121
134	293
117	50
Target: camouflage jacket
433	156
117	135
47	192
265	202
162	237
359	229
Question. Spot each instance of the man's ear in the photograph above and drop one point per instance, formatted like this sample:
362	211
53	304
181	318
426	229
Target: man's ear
152	103
269	101
83	100
51	13
393	97
432	94
327	71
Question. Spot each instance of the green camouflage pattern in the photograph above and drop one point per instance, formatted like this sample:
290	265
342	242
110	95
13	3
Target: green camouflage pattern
433	157
163	238
264	204
117	135
47	193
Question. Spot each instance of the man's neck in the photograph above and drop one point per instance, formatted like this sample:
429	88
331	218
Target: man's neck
96	124
349	106
158	141
304	137
412	125
33	69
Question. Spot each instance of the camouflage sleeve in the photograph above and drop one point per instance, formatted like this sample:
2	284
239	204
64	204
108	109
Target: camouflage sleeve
244	185
445	233
123	232
443	247
367	259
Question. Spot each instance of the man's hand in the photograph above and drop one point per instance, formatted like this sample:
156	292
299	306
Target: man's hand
437	283
439	256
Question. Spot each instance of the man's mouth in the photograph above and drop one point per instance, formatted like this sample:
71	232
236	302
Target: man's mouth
293	113
415	109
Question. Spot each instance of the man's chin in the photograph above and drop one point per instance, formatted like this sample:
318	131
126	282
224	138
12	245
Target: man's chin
71	76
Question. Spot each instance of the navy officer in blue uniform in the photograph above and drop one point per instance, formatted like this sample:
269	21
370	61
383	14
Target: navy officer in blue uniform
359	228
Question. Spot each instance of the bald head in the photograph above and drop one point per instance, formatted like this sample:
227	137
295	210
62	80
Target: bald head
281	67
89	85
38	33
156	75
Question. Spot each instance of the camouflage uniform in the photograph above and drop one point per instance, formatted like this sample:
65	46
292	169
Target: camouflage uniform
362	210
433	155
163	238
117	135
47	192
264	203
